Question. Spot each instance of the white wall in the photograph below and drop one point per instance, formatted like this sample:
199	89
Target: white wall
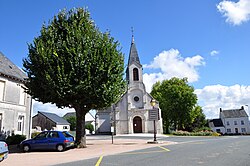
232	126
12	106
62	127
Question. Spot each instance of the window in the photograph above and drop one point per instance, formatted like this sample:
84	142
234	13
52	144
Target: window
20	123
65	127
53	134
235	122
218	130
22	96
228	123
228	130
243	130
242	122
136	98
135	74
42	135
1	119
2	85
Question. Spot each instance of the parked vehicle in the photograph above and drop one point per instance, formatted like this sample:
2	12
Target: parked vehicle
3	150
49	140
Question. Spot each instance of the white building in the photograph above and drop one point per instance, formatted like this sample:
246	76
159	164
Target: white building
235	121
50	121
131	113
15	104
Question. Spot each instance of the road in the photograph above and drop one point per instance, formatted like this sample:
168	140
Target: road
189	151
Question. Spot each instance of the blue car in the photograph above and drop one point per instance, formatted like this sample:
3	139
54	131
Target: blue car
3	150
49	140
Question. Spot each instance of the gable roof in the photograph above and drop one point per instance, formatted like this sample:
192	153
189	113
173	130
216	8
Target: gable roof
216	122
234	113
9	69
55	118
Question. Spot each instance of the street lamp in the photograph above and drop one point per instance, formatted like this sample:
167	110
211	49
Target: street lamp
153	102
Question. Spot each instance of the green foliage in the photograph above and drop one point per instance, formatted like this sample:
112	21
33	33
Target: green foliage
73	64
33	135
15	139
177	101
90	127
72	121
198	119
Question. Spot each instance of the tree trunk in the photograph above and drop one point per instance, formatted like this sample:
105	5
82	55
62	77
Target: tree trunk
80	128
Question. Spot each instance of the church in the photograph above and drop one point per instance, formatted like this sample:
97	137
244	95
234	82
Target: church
131	114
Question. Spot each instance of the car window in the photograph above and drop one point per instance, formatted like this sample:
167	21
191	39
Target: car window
41	135
53	134
66	134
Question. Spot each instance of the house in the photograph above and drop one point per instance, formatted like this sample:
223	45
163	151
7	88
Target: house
15	104
217	126
234	121
50	121
89	119
131	113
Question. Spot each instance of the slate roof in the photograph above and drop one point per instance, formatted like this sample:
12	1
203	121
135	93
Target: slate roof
133	54
9	69
55	118
234	113
217	122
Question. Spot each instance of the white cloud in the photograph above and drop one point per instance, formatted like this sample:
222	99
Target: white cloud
235	12
214	52
172	64
214	97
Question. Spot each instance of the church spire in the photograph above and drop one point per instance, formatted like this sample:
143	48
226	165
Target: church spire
132	30
133	54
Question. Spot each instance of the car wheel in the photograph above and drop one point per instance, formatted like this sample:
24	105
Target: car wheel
59	148
26	148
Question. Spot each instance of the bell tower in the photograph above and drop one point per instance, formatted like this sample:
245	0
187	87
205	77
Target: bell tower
134	77
134	68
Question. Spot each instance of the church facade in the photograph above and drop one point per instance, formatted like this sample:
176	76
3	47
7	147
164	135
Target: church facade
131	113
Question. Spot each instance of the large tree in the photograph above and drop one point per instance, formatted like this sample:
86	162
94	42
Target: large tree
73	64
177	100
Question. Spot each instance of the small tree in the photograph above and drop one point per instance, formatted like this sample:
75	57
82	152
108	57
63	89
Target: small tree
73	64
72	121
198	119
177	100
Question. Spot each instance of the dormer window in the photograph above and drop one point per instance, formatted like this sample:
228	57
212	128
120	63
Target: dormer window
135	74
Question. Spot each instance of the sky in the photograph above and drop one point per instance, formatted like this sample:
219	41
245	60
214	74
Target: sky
206	41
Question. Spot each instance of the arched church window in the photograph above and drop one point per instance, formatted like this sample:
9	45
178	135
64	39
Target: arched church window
136	74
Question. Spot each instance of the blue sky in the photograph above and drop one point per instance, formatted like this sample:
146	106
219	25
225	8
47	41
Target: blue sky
206	41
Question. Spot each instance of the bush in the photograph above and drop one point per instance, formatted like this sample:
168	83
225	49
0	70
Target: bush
90	127
200	133
34	134
203	129
15	139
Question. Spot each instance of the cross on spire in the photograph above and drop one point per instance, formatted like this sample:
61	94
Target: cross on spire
132	30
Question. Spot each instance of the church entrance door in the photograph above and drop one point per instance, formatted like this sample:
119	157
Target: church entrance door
137	124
